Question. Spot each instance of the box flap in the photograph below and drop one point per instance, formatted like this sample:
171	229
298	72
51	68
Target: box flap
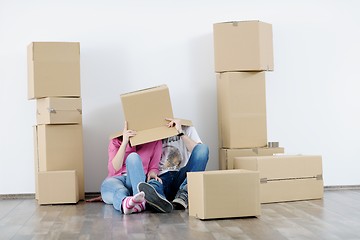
151	135
184	122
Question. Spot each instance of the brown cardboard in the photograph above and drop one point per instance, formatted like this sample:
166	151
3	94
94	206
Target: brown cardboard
243	46
226	155
286	177
145	112
57	110
58	187
241	99
36	161
223	194
291	190
60	147
53	69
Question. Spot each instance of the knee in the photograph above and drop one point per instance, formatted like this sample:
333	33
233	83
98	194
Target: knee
201	151
133	159
108	182
106	190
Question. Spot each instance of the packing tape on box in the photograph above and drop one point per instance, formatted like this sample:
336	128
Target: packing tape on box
273	144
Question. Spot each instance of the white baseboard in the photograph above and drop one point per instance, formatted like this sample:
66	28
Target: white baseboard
95	194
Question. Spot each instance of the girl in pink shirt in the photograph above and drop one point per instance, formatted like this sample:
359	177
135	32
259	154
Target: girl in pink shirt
127	167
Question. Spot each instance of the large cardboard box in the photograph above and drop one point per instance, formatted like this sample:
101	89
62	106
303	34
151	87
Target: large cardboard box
223	194
243	46
60	147
53	69
241	109
146	111
286	177
58	187
57	110
227	155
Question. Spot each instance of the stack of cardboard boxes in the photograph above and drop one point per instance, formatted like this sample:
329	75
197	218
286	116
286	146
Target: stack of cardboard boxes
243	52
54	81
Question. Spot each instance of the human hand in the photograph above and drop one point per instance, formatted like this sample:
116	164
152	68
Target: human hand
175	123
127	134
153	175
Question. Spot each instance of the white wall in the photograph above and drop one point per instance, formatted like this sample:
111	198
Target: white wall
312	96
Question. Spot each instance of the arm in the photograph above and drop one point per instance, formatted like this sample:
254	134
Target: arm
189	143
118	159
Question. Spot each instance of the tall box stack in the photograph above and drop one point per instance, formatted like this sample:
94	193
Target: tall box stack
243	52
54	81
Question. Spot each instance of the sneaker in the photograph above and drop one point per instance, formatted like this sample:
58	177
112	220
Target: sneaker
154	199
180	201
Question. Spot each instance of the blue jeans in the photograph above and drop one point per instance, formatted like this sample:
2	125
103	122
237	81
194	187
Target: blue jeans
115	189
175	180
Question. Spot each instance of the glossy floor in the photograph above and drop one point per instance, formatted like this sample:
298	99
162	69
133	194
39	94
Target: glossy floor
337	216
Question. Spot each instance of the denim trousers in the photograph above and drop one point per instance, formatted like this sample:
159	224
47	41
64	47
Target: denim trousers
115	189
175	180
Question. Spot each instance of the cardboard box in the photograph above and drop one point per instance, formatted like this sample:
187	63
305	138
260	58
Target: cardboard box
145	112
58	187
53	69
241	99
223	194
243	46
60	147
56	110
286	177
226	155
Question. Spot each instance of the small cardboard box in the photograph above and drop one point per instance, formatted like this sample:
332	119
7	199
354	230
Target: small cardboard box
286	177
243	46
56	110
145	112
57	187
53	69
227	155
223	194
241	99
58	148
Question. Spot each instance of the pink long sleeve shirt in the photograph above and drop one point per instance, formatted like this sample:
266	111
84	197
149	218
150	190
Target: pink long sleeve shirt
150	154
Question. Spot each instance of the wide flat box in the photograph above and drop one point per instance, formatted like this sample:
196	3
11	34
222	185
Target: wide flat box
53	69
224	194
58	148
241	101
227	155
146	111
58	110
286	177
243	46
57	187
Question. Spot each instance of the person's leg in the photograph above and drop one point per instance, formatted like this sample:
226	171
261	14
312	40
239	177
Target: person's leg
135	175
197	162
169	185
135	172
154	196
113	191
159	187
